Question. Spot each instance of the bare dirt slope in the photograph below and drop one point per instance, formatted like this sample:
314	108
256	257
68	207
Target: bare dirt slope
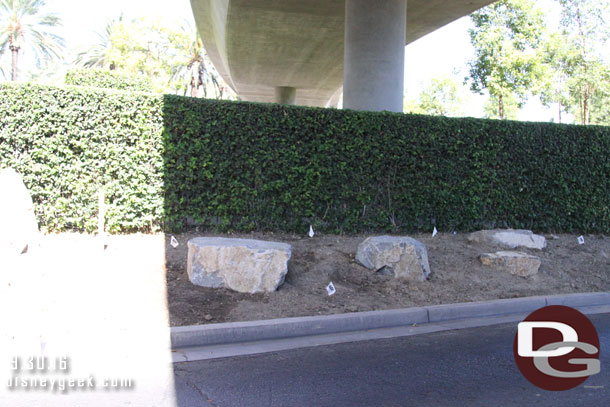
457	276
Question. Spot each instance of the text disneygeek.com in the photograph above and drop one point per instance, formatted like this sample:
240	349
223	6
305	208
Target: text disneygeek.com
51	374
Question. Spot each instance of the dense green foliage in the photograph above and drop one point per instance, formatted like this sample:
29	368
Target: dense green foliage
243	166
68	142
102	78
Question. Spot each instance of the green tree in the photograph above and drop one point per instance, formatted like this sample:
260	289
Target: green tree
555	84
173	58
507	36
25	24
410	105
578	56
510	107
440	97
112	48
600	102
189	66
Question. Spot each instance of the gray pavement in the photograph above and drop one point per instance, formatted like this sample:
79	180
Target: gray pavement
469	367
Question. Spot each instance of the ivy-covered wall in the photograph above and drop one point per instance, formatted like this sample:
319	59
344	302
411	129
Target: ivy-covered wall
168	162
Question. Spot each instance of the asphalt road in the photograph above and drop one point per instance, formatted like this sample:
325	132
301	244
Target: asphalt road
470	367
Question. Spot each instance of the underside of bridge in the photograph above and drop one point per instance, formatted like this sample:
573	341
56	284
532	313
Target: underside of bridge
307	52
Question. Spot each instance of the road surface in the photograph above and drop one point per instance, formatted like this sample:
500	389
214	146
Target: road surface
470	367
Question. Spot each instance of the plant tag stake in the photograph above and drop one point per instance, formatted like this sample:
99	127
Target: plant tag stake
330	289
581	240
434	232
311	231
174	242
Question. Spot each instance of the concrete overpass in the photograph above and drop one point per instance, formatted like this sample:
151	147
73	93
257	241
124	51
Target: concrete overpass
307	51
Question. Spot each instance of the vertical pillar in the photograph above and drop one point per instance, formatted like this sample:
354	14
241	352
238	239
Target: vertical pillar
374	58
285	95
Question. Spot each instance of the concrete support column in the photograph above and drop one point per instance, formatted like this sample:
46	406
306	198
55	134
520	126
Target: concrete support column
285	95
374	59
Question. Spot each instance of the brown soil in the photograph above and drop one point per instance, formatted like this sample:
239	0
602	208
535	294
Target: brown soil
457	276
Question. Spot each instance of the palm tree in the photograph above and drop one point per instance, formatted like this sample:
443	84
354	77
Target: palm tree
102	54
192	66
22	24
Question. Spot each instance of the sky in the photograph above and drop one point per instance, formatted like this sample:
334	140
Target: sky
82	18
444	52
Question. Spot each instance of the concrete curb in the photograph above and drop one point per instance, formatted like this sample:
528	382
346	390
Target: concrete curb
285	328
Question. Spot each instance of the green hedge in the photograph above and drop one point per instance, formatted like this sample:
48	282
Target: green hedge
169	161
101	78
67	142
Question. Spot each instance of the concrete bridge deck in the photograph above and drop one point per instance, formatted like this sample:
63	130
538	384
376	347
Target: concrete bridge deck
304	51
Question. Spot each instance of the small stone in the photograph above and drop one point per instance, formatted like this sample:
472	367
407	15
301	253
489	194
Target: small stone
352	308
509	238
208	317
405	257
517	263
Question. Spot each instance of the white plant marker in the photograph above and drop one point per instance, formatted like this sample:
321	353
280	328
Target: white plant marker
330	289
434	232
581	239
174	242
311	231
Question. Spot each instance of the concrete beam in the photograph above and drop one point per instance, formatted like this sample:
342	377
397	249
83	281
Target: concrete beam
373	68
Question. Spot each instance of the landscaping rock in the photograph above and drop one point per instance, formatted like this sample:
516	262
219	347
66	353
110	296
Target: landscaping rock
406	257
244	265
517	263
509	238
18	225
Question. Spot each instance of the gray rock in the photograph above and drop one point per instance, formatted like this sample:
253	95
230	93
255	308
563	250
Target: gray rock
18	225
509	238
244	265
517	263
406	257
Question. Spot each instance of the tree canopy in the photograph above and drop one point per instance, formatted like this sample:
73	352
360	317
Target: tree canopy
508	62
576	53
173	56
440	97
25	24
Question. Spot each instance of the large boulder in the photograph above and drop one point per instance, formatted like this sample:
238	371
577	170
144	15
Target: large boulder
517	263
405	257
509	238
244	265
18	225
